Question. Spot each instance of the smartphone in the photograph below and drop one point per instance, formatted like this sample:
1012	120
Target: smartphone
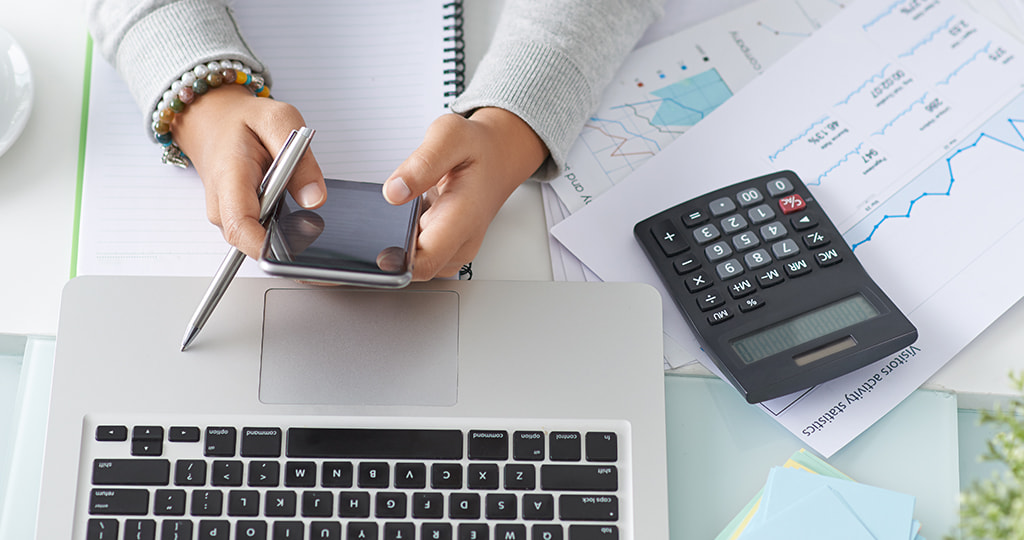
355	238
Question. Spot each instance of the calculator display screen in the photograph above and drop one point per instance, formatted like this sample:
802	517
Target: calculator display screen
803	328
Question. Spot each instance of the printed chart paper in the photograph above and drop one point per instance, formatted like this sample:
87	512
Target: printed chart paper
904	118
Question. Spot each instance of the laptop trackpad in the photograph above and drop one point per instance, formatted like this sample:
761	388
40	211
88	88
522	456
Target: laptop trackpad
360	347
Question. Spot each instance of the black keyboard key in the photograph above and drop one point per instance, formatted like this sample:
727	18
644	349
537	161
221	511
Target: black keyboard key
337	474
593	532
288	530
427	505
140	529
108	434
446	476
510	532
176	529
390	505
361	530
375	443
102	529
264	473
410	475
279	504
226	474
324	530
261	442
317	504
464	506
436	531
402	531
147	433
244	503
480	531
147	447
220	442
602	446
538	507
207	502
183	434
588	507
579	478
214	529
565	446
169	502
528	446
500	506
300	474
374	474
482	476
354	504
520	477
488	445
119	501
190	472
249	529
131	472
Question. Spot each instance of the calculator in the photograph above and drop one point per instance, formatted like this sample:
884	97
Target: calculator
772	290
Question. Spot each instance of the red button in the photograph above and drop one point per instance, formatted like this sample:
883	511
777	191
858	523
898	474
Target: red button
792	203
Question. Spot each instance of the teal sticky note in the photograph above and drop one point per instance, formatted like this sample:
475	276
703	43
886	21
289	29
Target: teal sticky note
888	515
821	513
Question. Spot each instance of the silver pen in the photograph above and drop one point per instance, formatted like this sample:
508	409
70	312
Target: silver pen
271	190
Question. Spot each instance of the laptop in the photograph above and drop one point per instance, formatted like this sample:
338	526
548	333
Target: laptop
458	410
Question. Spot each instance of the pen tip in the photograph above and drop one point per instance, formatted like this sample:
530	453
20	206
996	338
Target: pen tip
187	340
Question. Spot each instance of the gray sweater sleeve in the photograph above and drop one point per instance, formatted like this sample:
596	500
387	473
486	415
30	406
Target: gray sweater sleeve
550	61
152	43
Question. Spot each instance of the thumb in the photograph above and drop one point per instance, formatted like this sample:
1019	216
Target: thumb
437	155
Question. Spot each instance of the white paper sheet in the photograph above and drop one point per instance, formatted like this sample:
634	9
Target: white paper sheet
902	118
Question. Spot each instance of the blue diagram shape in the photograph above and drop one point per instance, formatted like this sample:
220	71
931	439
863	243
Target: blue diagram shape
685	102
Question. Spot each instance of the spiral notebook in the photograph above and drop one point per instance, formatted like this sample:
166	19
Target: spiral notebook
368	76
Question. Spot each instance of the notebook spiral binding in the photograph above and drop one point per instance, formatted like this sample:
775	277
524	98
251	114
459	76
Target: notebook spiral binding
454	50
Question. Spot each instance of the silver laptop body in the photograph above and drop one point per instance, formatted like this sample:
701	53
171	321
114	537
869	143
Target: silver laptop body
315	412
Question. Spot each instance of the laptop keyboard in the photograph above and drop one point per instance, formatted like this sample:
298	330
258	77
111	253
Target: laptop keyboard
519	482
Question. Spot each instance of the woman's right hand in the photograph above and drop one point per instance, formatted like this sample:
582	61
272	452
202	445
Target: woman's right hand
231	137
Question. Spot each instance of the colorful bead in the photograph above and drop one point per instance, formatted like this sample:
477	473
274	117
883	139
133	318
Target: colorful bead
186	94
200	87
161	127
177	105
164	138
214	79
228	75
166	115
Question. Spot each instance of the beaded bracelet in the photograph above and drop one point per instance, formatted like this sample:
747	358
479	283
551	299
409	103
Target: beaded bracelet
192	84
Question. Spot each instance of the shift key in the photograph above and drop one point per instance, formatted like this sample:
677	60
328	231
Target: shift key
579	478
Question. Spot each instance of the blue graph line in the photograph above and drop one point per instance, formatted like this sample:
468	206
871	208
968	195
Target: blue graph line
623	126
774	156
969	60
949	189
881	16
919	101
930	37
856	91
817	181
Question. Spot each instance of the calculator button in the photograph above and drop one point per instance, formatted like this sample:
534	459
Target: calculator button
785	248
685	265
749	197
745	241
717	251
757	259
668	238
760	214
797	268
750	304
779	186
815	239
733	223
773	231
804	222
710	300
706	234
698	282
770	277
720	316
729	269
792	203
694	217
720	207
741	288
828	257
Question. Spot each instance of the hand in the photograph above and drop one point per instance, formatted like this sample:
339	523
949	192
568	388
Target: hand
232	137
467	167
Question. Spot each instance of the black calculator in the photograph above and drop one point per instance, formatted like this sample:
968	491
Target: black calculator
772	290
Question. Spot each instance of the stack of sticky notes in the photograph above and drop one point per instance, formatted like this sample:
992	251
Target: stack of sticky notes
808	499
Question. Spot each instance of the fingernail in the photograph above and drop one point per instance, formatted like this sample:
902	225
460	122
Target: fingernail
310	196
396	190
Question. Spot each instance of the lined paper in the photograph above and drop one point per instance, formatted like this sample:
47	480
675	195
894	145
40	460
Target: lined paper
368	76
